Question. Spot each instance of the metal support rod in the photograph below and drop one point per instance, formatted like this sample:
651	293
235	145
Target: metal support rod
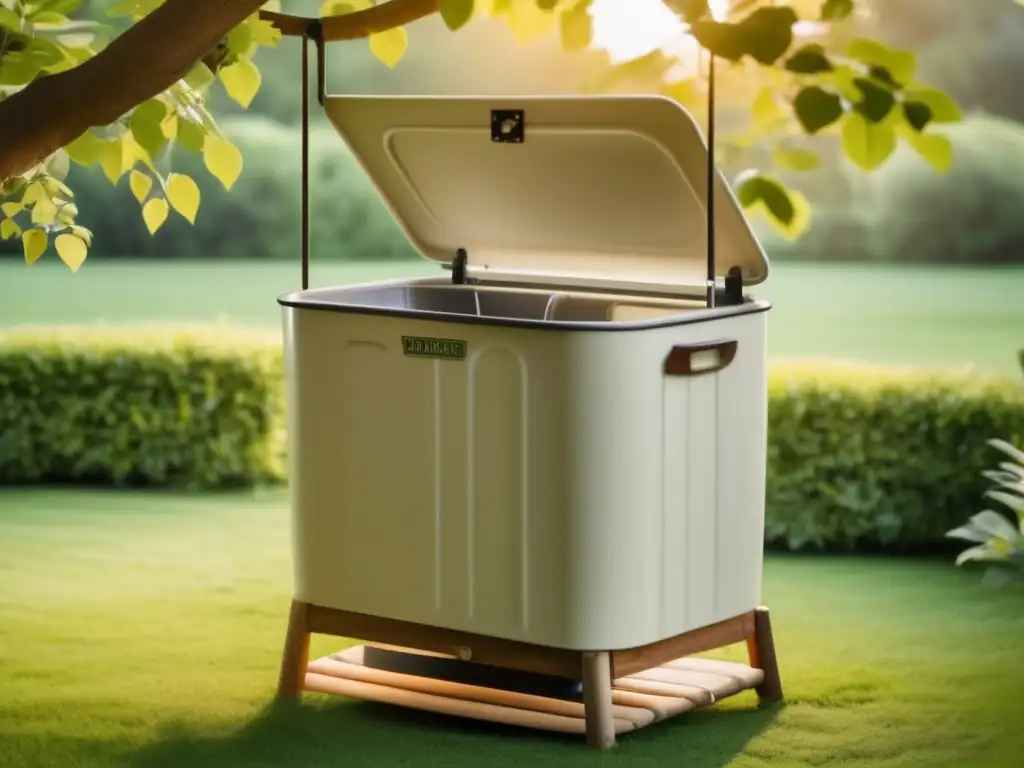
305	162
315	32
712	178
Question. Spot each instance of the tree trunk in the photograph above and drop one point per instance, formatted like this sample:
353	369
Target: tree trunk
148	58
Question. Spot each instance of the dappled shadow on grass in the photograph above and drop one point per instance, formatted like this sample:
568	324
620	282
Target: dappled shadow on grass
357	734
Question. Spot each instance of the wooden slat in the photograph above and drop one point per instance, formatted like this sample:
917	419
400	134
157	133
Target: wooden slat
718	685
748	677
383	694
638	701
351	667
699	697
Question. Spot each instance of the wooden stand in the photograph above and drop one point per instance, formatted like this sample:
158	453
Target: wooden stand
622	690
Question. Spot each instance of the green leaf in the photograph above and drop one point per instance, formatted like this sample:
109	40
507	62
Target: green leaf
723	40
183	195
241	81
1002	445
690	11
456	13
809	60
58	165
72	250
154	214
389	46
995	525
83	233
200	77
140	184
917	114
934	148
8	229
239	40
58	6
18	69
788	211
841	79
44	211
816	108
765	108
576	26
85	150
867	144
981	553
56	189
341	7
796	159
768	33
191	135
9	19
34	243
765	35
884	76
115	158
944	108
836	10
33	193
145	125
761	189
222	159
901	65
263	32
876	102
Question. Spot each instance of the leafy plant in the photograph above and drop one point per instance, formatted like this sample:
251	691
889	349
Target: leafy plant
196	408
997	541
37	39
799	85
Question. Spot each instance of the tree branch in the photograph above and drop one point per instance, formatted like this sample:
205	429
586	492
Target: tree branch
353	26
145	60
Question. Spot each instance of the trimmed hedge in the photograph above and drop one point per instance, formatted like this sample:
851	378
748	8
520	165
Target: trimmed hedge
195	408
858	457
880	458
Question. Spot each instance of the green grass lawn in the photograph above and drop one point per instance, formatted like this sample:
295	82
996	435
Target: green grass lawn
144	630
943	316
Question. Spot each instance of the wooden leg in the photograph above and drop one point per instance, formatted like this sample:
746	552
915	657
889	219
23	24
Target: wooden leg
597	700
761	647
295	658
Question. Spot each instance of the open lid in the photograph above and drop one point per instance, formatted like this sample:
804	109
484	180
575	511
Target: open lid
578	188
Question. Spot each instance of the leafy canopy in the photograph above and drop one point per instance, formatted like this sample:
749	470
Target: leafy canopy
802	84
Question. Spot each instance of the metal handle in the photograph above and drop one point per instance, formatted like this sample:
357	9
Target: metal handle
698	359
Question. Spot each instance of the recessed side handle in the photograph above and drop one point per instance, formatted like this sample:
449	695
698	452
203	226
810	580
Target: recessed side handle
701	358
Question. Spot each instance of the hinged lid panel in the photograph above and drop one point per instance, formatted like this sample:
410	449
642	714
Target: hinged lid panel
582	186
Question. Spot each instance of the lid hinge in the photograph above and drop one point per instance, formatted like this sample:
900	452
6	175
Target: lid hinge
732	294
459	266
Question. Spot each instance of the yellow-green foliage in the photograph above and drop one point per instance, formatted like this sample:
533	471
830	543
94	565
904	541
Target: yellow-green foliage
857	456
186	407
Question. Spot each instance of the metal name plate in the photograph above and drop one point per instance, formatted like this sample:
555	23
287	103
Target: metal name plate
444	349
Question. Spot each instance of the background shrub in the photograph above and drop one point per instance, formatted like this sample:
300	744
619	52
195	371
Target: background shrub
862	457
906	213
858	457
193	408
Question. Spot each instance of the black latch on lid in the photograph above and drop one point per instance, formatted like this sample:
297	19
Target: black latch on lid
508	126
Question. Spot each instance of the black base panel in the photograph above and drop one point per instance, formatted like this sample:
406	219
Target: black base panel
469	673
